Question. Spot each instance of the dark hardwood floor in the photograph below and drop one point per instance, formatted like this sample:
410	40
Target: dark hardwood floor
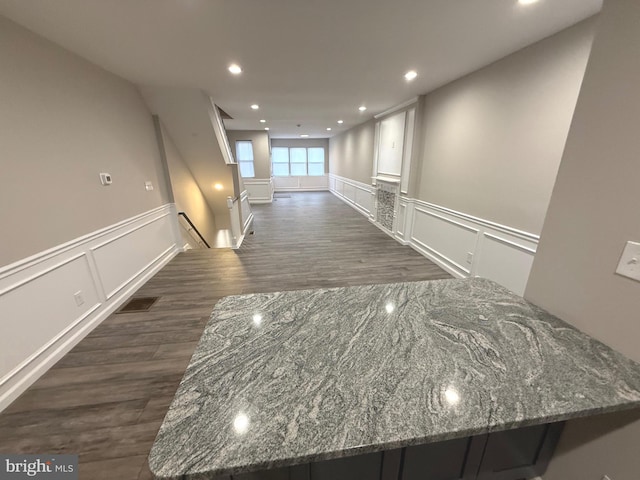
106	399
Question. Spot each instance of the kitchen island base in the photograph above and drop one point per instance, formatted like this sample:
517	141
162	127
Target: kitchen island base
521	453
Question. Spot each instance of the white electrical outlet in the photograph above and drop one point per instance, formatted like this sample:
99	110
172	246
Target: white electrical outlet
469	258
105	179
148	186
78	297
629	265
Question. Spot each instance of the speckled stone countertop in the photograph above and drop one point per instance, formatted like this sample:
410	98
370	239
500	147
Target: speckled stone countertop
292	377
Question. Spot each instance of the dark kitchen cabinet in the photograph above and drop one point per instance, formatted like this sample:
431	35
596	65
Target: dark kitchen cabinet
516	454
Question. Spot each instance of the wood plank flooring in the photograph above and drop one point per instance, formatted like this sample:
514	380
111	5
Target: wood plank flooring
106	399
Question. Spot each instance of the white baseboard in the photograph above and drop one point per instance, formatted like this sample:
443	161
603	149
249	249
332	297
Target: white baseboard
41	321
461	244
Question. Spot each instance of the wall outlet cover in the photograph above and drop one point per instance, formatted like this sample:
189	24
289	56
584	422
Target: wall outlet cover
105	179
78	298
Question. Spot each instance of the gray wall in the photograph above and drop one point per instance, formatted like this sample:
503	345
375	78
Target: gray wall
492	141
261	151
351	153
187	194
63	121
593	212
305	142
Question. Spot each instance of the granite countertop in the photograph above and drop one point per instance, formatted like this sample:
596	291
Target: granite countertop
292	377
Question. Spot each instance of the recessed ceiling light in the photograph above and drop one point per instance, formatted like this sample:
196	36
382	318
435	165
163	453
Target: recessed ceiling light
218	186
235	69
263	121
341	121
304	135
266	128
255	106
362	108
526	2
410	75
328	129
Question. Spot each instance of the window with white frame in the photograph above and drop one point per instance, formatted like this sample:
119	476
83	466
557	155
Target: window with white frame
297	161
280	161
244	157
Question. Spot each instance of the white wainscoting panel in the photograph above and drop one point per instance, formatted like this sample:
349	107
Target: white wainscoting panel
292	184
260	190
496	252
357	194
452	239
40	317
364	198
444	237
247	214
121	259
400	222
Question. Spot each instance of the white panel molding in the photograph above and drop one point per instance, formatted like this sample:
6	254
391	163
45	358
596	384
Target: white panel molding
495	251
40	257
318	183
408	150
448	220
478	221
39	274
356	194
455	244
510	243
126	255
51	326
442	261
498	252
247	220
400	223
260	190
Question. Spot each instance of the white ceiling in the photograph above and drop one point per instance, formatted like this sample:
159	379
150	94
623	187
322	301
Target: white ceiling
305	61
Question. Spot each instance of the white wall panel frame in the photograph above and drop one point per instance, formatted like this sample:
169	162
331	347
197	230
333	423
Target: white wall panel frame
302	183
408	150
356	194
39	318
260	190
498	252
444	237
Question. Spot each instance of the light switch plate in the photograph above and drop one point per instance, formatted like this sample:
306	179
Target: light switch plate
148	186
629	265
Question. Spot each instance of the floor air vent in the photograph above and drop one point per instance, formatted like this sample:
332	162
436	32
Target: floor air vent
138	304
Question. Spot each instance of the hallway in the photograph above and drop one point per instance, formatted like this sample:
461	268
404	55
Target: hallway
106	399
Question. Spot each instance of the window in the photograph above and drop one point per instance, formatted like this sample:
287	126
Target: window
280	161
297	161
244	156
316	161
